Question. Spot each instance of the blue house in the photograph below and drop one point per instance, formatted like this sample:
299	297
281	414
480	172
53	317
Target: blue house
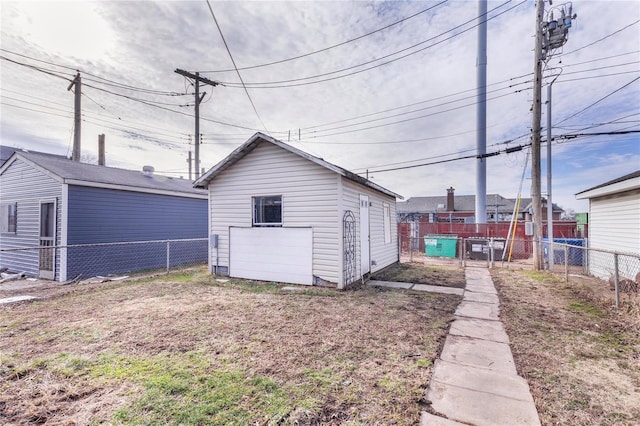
98	220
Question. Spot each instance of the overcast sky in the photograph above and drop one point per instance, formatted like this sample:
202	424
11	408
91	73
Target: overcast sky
359	95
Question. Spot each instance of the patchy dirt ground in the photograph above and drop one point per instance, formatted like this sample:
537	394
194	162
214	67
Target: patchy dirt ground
580	355
188	349
423	273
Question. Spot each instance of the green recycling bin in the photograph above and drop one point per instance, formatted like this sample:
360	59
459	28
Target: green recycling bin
440	245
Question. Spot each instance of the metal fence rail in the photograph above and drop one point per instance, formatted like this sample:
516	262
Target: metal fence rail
620	270
101	259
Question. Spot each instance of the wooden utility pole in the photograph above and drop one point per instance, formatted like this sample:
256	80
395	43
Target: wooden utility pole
536	186
189	161
198	99
77	116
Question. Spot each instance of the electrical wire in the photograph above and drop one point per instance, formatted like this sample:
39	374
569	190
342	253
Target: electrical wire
213	15
601	39
598	101
123	85
279	84
332	46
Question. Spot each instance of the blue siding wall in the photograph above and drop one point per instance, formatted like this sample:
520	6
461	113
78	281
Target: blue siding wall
98	215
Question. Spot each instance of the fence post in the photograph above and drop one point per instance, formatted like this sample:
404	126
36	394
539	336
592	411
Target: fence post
491	252
410	245
168	256
566	263
617	277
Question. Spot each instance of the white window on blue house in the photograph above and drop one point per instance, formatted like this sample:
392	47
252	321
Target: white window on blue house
267	210
9	218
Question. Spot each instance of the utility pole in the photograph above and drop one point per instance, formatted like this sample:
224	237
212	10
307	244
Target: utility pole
198	100
535	141
549	202
481	117
189	161
550	35
77	116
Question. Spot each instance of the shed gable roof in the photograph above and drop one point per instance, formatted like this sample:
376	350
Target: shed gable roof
258	138
76	173
623	183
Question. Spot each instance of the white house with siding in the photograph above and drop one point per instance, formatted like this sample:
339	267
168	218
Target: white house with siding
277	213
614	223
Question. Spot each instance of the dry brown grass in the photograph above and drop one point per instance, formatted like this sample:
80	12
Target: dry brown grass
579	354
143	351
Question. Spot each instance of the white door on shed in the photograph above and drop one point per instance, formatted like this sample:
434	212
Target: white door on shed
365	260
272	254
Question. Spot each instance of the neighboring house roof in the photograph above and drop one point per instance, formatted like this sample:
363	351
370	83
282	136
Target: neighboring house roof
461	203
464	203
258	138
82	174
621	184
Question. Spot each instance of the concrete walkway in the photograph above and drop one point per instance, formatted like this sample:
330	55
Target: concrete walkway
474	382
417	287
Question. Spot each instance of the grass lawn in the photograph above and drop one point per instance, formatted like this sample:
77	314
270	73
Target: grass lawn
580	355
185	348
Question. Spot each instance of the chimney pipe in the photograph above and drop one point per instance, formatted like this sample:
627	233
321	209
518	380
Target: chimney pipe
450	205
101	150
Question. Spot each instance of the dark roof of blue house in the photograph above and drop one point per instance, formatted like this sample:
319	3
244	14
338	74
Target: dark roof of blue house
77	173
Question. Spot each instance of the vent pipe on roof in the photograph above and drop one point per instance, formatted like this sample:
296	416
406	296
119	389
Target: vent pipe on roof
101	150
148	171
450	205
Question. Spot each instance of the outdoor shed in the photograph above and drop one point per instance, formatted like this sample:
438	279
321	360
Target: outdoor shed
277	213
614	224
96	220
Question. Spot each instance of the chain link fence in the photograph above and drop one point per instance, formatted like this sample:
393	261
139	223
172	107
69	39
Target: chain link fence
569	257
104	259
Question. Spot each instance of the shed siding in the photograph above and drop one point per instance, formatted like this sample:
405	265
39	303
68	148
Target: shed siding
309	199
383	254
26	185
614	224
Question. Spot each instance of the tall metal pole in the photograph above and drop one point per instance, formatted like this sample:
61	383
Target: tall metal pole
535	141
549	201
197	134
481	117
77	117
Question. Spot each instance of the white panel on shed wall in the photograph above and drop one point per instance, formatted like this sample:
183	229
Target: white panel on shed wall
272	254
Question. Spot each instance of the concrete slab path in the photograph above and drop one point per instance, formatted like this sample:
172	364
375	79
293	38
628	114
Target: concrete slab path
417	287
474	382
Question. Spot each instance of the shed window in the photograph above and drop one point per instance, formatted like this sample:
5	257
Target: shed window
9	218
386	215
267	211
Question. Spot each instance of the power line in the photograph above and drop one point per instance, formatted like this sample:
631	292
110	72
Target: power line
333	46
278	84
122	85
213	15
601	39
411	119
423	102
596	102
